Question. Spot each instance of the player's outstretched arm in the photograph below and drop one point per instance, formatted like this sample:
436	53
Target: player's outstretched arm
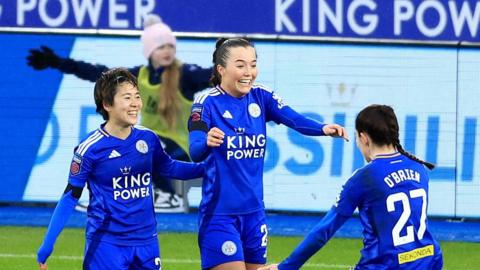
172	168
314	241
45	57
305	125
182	170
62	212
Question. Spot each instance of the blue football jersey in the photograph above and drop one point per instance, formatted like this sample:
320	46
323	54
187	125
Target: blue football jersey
118	174
234	171
391	194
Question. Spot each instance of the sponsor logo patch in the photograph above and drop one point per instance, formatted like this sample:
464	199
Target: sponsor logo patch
196	109
415	254
77	158
195	117
74	168
76	164
126	170
114	154
240	130
227	114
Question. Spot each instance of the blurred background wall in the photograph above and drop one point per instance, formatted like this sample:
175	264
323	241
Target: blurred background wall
326	59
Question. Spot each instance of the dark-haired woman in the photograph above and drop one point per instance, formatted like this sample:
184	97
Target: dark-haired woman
391	194
228	130
121	230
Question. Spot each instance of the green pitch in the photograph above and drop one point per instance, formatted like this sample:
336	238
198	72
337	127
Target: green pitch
179	251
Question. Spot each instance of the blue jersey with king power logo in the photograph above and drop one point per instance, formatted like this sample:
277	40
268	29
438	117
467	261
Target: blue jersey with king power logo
391	194
119	177
234	170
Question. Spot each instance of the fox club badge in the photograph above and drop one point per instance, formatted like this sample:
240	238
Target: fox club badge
254	110
229	248
142	146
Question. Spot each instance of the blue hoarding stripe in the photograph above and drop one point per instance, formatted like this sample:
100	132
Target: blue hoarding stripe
26	107
438	21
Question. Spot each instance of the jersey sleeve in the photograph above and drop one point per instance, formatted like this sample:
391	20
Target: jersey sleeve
347	202
199	124
200	117
281	113
314	241
87	71
80	168
164	165
351	194
81	69
61	214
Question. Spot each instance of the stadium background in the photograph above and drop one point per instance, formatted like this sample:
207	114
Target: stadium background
327	59
432	88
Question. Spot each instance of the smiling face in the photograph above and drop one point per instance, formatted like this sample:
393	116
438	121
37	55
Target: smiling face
126	105
163	56
239	72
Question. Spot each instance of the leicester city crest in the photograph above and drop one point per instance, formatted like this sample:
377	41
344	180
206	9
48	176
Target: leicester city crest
229	248
142	146
254	110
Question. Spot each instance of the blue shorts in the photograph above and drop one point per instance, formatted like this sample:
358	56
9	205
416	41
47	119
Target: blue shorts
103	255
228	238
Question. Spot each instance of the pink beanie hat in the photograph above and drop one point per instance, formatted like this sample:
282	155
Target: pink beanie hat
155	34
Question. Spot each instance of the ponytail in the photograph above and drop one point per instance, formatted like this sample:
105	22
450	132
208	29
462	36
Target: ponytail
216	79
169	103
400	149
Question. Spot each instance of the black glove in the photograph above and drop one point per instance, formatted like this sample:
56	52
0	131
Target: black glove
43	58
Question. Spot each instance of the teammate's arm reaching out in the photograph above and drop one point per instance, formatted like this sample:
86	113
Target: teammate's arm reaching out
62	212
284	114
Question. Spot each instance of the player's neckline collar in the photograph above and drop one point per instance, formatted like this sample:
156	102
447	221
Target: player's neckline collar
220	89
224	92
105	132
389	155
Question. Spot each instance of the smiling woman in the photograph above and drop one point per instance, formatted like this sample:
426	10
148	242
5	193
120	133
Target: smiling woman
228	130
118	101
238	70
127	156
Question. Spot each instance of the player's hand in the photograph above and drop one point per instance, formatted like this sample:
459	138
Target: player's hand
269	267
42	266
42	255
215	137
335	130
42	58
